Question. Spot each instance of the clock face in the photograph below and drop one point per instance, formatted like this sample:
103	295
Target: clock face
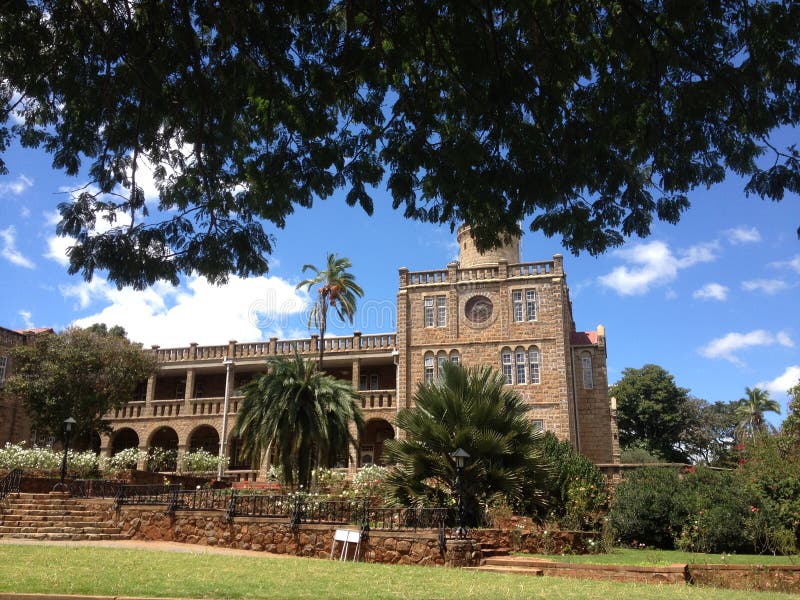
478	309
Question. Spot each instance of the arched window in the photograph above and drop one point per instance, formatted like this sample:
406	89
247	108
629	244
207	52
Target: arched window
455	357
508	371
441	358
586	367
428	378
533	364
519	364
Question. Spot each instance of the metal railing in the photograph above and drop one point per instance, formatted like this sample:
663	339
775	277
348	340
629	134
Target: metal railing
295	508
93	488
10	483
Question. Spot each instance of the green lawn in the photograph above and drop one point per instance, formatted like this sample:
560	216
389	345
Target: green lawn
106	571
627	556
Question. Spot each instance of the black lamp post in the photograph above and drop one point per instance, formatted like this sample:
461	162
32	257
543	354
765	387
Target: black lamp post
68	423
460	457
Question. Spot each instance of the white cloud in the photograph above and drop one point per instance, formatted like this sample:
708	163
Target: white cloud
781	384
767	286
9	250
243	309
728	345
57	247
653	264
712	291
743	235
16	187
792	263
26	319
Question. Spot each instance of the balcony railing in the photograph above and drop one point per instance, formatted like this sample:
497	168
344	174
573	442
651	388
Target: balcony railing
275	347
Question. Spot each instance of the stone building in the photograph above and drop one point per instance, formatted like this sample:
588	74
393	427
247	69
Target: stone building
14	423
485	309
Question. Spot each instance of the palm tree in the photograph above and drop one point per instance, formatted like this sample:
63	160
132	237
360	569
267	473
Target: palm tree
470	409
751	409
338	288
299	411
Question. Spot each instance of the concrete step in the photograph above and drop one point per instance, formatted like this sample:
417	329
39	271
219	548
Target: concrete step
64	536
57	529
515	570
8	518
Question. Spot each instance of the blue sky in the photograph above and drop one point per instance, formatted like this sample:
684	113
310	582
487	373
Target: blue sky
714	300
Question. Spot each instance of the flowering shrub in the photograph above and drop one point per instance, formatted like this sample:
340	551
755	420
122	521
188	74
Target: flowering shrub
329	480
160	459
18	456
122	460
47	460
370	481
200	461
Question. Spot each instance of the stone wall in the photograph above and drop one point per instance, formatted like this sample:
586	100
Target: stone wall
208	528
538	541
783	578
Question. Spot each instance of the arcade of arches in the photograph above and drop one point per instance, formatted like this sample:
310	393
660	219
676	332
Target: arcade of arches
206	437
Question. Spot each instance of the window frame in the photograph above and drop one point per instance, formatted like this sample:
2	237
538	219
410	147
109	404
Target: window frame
507	365
535	366
587	374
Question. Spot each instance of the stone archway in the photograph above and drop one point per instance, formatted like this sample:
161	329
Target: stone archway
375	433
123	439
165	439
205	438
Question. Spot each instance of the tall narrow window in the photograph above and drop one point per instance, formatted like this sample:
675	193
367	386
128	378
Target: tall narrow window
586	367
180	389
441	311
441	359
533	360
428	312
538	424
3	366
428	378
362	382
508	372
530	305
373	381
455	357
516	302
519	363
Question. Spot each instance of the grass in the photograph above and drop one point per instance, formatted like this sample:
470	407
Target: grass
628	556
154	573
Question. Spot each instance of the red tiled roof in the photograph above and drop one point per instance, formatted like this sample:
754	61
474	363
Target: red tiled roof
583	338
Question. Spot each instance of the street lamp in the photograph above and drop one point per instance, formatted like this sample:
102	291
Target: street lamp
460	457
68	423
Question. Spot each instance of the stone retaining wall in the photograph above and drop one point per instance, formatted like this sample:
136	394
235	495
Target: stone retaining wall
782	578
210	528
537	541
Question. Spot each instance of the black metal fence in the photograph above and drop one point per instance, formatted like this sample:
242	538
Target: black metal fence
10	483
296	508
93	488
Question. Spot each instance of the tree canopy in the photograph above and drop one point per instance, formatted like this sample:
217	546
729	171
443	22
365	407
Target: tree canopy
337	288
652	411
79	373
586	120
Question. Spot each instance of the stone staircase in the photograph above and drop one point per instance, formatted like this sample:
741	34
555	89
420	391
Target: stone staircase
489	550
54	516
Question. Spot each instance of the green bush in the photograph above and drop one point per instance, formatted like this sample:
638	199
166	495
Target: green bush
649	508
578	496
719	509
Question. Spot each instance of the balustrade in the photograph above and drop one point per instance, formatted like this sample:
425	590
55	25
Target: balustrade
255	350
